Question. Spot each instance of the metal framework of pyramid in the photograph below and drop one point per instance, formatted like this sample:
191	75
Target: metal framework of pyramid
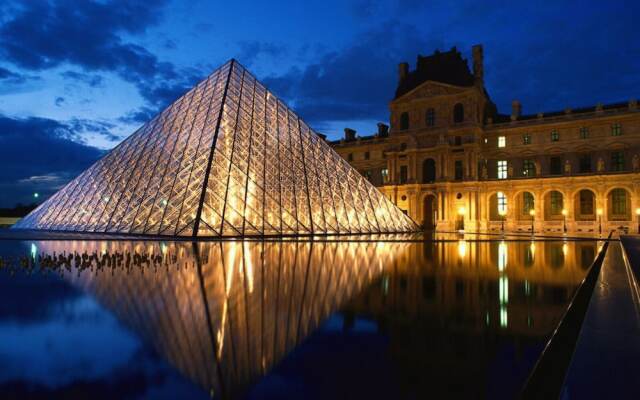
227	158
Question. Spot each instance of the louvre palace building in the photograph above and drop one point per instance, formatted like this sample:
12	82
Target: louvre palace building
451	160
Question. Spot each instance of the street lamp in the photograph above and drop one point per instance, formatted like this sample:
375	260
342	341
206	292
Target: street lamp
502	213
638	214
599	212
532	212
564	220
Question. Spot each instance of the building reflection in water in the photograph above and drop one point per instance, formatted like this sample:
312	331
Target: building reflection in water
225	313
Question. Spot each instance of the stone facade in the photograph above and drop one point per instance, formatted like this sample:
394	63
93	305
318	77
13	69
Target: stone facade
451	161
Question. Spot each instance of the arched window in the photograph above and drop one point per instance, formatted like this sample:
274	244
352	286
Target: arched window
528	203
428	170
619	205
430	117
404	121
458	113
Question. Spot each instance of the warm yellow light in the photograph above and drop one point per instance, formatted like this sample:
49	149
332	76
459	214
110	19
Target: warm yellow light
502	212
564	212
462	210
599	211
532	212
637	211
462	248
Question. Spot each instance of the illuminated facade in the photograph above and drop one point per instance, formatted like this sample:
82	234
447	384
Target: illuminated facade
451	161
226	159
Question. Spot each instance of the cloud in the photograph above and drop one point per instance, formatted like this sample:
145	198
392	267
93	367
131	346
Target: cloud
14	78
93	80
250	50
353	83
44	35
37	147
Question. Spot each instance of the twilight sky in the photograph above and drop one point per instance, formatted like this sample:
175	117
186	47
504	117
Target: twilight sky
77	77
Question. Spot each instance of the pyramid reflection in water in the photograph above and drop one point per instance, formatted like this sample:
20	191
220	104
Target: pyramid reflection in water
226	159
225	313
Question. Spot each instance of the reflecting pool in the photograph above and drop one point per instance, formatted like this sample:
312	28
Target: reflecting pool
280	319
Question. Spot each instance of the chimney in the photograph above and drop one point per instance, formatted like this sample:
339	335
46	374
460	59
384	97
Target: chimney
383	130
403	71
516	110
349	134
478	63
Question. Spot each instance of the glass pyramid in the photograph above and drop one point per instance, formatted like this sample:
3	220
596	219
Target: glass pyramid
228	158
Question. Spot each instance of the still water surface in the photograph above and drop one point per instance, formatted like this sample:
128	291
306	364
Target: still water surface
280	319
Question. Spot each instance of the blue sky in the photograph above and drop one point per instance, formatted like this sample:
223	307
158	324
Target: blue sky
77	77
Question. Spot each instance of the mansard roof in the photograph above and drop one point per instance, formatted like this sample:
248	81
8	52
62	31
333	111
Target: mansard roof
445	67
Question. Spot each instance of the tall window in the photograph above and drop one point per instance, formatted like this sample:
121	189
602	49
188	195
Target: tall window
584	132
617	161
458	170
616	129
385	175
502	141
618	202
366	155
586	202
403	174
527	203
367	174
556	203
584	164
555	165
502	203
528	168
502	169
350	157
555	136
526	138
458	113
404	121
430	117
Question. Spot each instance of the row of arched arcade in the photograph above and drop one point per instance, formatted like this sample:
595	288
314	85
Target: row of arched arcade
559	209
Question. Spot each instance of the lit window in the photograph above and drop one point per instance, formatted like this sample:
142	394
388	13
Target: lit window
616	129
502	141
526	138
555	136
385	175
486	140
584	132
528	168
502	203
502	169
